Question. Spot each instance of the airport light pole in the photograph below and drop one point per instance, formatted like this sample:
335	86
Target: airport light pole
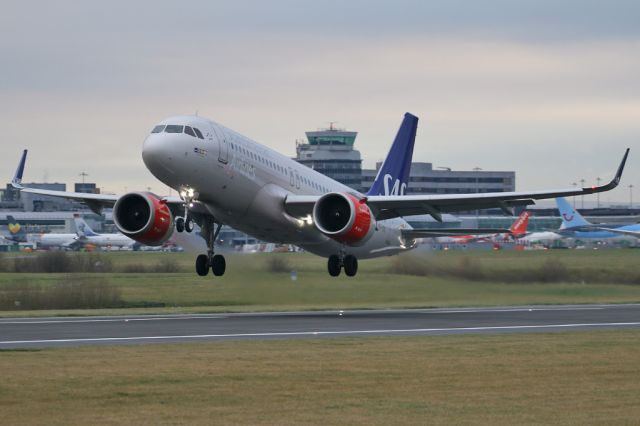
575	184
598	194
630	196
582	186
84	175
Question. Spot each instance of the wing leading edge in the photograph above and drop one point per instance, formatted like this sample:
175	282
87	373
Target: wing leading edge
390	206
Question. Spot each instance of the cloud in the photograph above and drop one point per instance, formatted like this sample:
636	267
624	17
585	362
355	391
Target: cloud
549	90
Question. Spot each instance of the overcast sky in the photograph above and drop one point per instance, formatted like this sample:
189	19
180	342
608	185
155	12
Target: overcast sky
550	89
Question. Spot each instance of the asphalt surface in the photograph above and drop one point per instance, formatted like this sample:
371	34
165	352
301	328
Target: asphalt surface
117	330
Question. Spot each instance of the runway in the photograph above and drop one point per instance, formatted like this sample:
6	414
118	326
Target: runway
117	330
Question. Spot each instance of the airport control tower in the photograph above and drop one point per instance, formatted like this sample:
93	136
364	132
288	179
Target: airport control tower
330	152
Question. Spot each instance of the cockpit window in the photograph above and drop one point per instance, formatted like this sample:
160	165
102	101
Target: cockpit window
188	130
172	128
158	129
198	133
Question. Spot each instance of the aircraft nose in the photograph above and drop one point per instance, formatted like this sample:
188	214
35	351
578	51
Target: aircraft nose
157	155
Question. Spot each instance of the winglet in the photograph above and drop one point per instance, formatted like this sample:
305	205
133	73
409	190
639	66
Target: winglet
616	179
17	178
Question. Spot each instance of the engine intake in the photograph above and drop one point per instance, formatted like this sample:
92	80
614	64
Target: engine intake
143	217
343	217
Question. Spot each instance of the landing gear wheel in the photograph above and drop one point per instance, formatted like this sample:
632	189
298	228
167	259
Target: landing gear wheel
333	265
179	224
218	265
188	225
202	265
350	265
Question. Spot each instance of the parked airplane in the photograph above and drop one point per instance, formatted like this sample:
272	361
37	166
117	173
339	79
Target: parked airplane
189	242
542	237
576	226
17	234
224	177
88	236
518	229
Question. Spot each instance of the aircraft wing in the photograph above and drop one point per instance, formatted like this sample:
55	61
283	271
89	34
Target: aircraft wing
390	206
478	233
621	232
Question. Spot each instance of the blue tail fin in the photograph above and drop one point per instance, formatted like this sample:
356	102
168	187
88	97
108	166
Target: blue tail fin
82	228
393	176
17	178
570	217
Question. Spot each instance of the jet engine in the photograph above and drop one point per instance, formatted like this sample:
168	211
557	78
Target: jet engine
143	217
344	217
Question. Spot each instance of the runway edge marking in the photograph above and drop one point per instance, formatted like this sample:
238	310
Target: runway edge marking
321	333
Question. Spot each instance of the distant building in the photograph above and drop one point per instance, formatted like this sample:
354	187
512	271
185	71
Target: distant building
330	152
87	188
43	203
423	179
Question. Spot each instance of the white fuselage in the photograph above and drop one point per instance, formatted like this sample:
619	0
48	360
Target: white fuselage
244	184
53	240
545	236
109	240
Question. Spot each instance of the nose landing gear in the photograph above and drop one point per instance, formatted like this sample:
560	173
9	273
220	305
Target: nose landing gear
185	223
337	262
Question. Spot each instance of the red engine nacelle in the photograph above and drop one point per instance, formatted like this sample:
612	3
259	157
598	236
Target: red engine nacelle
343	217
144	217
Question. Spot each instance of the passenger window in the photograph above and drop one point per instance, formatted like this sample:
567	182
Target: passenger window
172	128
198	133
158	129
188	130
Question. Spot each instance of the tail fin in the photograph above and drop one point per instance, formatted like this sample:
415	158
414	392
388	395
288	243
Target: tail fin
16	231
393	176
17	178
82	228
570	217
519	227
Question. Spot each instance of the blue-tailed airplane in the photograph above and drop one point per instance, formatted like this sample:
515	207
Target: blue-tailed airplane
576	226
223	177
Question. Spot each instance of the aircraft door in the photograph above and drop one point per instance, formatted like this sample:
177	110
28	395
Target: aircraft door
297	180
291	177
223	146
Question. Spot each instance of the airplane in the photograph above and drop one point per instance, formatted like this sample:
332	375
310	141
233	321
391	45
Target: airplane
189	242
88	236
17	234
576	226
518	229
223	177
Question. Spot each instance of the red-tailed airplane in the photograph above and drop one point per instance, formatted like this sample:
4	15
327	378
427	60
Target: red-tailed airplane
518	229
226	178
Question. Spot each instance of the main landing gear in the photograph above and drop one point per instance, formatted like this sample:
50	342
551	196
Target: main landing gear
337	262
216	262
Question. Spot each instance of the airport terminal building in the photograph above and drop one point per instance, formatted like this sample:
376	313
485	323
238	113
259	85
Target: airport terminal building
424	179
331	152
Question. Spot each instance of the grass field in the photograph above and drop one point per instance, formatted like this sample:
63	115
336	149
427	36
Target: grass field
443	279
566	378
